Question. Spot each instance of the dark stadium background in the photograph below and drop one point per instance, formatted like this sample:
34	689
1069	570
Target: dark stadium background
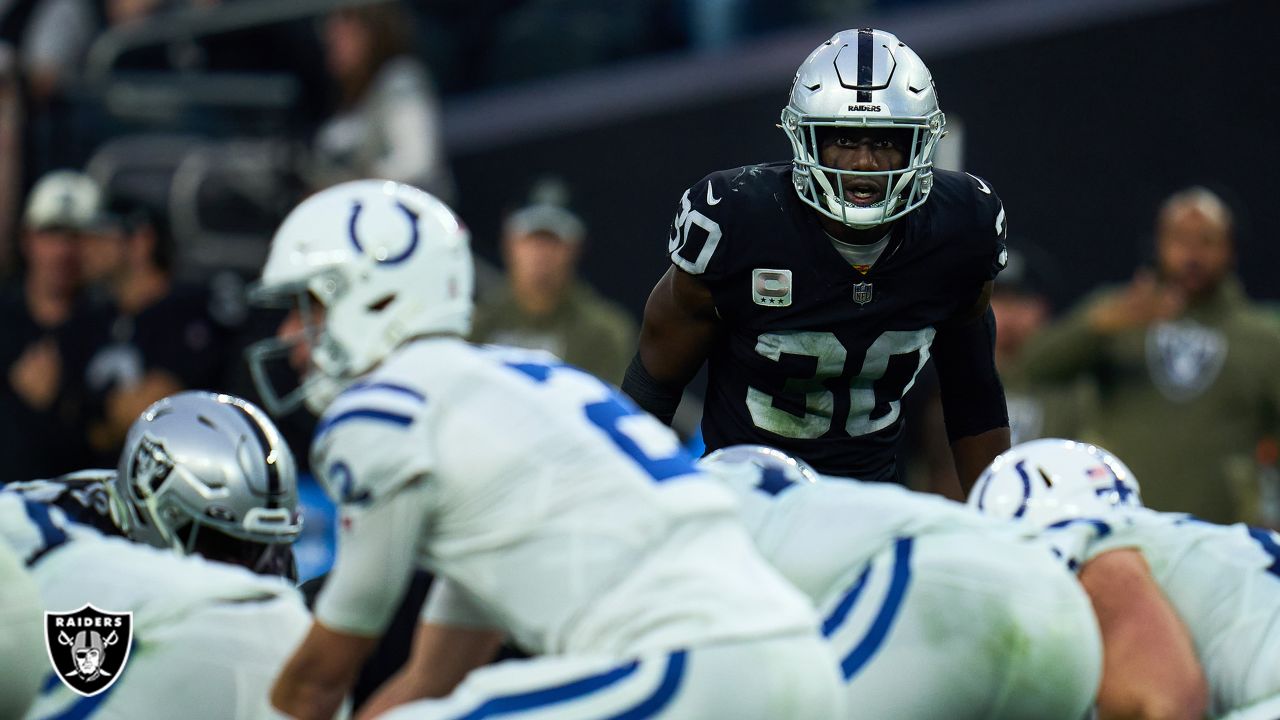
1083	115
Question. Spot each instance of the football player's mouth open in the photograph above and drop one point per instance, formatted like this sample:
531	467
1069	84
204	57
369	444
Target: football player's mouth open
863	191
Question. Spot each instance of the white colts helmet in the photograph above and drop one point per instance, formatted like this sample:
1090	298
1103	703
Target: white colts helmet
863	79
1044	481
387	262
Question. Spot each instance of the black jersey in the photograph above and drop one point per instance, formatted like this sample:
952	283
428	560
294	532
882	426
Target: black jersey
815	357
82	496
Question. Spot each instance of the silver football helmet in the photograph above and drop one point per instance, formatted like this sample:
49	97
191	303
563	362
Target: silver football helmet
1048	480
196	462
867	79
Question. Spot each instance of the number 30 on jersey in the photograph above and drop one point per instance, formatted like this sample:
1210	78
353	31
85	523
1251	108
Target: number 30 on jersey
868	390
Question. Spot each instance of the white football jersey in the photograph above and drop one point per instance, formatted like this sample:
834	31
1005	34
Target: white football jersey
22	650
913	586
74	564
576	522
1223	581
815	533
207	637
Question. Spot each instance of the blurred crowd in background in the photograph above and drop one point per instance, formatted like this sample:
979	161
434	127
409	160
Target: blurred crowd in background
148	147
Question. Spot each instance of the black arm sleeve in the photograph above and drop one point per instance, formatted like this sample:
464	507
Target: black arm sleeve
972	396
652	396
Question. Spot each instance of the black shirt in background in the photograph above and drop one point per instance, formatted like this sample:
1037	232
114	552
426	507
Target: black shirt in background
39	443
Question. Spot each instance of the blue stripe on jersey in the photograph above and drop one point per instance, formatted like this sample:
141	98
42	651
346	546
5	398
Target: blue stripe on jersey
51	536
330	423
874	638
85	707
837	616
661	697
1267	539
50	683
390	387
535	699
538	371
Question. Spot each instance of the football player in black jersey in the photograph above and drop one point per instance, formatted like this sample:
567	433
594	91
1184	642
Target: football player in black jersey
816	290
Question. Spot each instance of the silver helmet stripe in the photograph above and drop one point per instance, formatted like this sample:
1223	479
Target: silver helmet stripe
863	78
269	455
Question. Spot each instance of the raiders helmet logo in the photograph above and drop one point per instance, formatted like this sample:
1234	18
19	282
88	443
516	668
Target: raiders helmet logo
88	648
1184	358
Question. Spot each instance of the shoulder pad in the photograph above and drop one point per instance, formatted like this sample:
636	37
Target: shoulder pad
369	444
992	222
696	230
991	209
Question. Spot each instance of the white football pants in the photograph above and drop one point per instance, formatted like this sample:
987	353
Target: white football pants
768	679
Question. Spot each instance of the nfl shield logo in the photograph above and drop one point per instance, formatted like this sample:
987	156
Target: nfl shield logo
862	293
88	647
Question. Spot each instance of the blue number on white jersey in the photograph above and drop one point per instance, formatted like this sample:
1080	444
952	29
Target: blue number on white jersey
640	436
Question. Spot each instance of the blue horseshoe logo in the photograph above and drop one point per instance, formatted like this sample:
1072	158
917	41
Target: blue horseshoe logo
413	228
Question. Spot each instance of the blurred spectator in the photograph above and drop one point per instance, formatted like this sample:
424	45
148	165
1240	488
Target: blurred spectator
38	412
150	337
53	42
1020	301
544	306
1187	369
58	33
11	124
388	119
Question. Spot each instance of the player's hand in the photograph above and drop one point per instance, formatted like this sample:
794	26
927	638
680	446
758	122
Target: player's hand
1143	302
36	375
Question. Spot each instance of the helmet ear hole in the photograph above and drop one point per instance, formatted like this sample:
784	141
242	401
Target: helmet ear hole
380	304
1047	480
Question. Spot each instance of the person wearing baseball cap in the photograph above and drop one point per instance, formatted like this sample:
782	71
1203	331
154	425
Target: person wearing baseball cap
38	416
544	305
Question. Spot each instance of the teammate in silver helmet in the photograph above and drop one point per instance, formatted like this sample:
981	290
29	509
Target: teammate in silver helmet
202	473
